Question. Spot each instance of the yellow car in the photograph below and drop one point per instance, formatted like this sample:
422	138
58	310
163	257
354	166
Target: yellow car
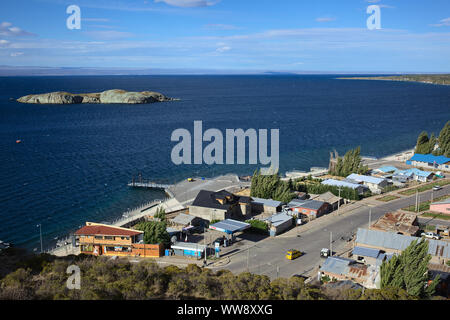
191	180
293	254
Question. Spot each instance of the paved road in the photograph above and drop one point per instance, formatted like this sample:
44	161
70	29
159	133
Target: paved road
267	257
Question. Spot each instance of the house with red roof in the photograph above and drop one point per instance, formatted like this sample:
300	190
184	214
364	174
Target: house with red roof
101	239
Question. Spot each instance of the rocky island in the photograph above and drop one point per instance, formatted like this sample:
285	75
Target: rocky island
105	97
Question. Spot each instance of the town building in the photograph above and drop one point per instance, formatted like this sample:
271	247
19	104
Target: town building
441	206
330	198
415	174
344	184
309	208
343	269
210	205
100	239
270	206
393	243
189	250
376	185
279	223
430	161
399	222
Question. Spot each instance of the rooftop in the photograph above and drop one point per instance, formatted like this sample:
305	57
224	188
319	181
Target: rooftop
327	197
338	183
394	241
267	202
189	246
230	226
183	219
104	230
398	221
278	219
367	179
429	158
307	204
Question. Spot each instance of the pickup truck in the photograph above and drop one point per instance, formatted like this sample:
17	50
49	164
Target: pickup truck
430	235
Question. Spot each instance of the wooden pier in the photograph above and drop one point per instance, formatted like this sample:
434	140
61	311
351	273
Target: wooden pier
142	183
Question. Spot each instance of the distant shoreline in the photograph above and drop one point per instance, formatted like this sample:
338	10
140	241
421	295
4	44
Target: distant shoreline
442	79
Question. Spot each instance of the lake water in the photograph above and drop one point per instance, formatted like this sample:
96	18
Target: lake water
75	161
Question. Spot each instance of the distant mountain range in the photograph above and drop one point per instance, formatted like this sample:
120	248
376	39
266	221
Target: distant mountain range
75	71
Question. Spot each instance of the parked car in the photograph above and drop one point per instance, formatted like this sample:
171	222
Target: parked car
293	254
430	235
325	253
437	188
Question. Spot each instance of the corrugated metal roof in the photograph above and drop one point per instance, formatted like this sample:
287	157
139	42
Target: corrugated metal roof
395	241
414	171
189	246
337	183
278	219
308	204
387	169
267	202
429	158
366	252
106	231
367	179
336	265
183	219
230	225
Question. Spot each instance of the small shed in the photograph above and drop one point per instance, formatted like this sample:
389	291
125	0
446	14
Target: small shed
187	249
279	223
260	205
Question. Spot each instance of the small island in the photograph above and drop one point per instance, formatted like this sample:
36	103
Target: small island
106	97
440	79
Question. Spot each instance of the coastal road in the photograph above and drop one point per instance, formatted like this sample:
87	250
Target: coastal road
267	257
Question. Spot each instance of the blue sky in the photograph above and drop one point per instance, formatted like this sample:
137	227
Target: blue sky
283	35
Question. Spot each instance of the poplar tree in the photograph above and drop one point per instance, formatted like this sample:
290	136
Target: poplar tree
409	271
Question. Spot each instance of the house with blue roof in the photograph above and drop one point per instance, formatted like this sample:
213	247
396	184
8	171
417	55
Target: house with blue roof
430	161
415	174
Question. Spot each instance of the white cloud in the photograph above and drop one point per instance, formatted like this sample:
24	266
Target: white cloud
218	26
4	43
16	54
223	49
325	19
190	3
7	30
443	23
109	35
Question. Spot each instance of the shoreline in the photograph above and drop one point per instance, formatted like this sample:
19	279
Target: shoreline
146	209
393	79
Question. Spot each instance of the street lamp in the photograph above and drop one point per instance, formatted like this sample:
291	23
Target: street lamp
40	233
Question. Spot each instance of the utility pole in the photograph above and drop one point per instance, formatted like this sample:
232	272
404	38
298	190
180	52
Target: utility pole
331	243
418	205
339	200
248	257
206	246
417	194
370	217
278	271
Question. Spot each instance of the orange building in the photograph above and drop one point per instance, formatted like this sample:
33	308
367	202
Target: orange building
100	239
